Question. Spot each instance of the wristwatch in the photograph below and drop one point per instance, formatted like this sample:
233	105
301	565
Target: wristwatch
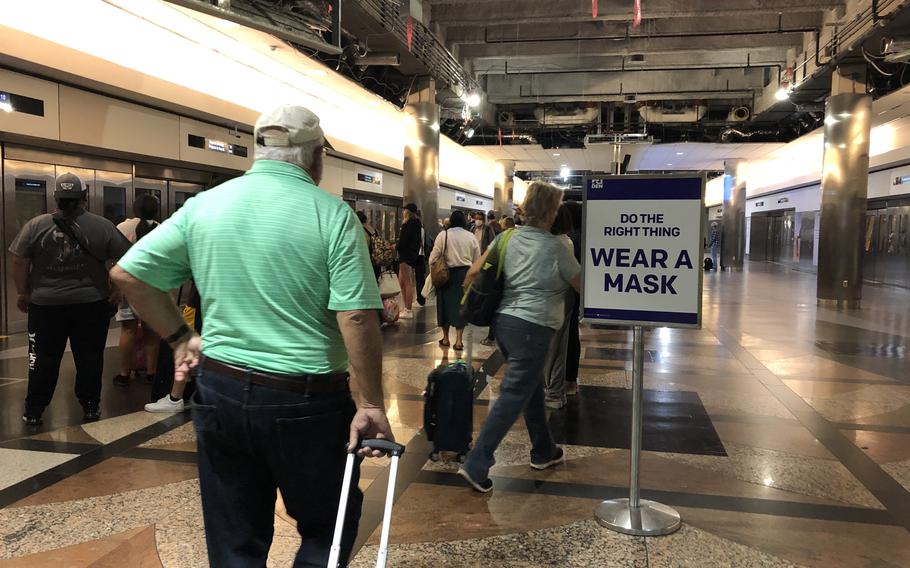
178	335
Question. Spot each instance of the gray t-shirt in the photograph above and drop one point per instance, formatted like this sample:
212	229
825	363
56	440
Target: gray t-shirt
537	272
62	272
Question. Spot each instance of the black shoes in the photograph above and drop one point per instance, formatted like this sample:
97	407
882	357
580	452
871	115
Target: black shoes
91	413
484	486
32	419
122	380
559	458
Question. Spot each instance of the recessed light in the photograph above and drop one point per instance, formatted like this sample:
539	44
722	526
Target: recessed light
556	155
317	73
669	164
680	153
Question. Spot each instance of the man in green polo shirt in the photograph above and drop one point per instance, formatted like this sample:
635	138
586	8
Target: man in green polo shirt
289	295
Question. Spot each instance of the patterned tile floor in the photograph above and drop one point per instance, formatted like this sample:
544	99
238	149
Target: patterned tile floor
814	468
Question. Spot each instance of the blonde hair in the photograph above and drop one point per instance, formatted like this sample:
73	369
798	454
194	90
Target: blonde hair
541	204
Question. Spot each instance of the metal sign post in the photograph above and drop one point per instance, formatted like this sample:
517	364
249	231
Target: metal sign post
642	243
634	516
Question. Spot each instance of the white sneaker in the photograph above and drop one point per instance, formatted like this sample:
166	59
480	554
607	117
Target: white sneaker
406	314
165	405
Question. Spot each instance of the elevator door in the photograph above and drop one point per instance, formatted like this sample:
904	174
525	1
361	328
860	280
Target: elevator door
112	194
156	188
179	192
28	190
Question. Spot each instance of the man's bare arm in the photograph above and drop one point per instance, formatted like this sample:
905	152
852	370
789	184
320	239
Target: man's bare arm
363	341
21	267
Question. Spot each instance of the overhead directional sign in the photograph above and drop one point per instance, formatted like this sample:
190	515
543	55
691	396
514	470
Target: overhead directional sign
643	250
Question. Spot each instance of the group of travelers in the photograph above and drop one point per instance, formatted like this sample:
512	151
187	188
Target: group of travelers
285	344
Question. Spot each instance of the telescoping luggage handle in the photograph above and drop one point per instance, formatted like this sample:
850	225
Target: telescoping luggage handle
389	448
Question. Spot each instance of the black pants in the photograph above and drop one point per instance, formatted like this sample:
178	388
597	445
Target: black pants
85	325
420	275
253	440
573	353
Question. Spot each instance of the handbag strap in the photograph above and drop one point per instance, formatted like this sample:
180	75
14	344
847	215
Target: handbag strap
502	245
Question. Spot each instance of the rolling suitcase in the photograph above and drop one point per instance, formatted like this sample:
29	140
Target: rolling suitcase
395	451
448	410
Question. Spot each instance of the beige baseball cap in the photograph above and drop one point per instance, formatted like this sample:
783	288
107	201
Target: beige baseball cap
287	125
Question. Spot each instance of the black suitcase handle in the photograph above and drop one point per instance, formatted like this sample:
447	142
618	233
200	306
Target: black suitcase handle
386	446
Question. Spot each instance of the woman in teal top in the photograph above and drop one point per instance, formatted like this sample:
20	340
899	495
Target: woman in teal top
538	270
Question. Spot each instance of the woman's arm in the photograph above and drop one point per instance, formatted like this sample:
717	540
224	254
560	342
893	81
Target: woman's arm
437	248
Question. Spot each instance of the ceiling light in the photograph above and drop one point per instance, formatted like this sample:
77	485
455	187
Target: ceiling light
556	155
317	73
469	133
669	164
6	106
473	100
564	173
680	153
782	94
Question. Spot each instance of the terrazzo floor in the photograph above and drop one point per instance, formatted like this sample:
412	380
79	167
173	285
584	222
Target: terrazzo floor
816	470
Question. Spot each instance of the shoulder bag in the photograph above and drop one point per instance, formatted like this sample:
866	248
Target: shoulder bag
482	298
439	270
388	284
67	229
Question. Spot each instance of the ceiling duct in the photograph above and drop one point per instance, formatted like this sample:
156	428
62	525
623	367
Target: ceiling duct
664	115
739	114
379	59
566	117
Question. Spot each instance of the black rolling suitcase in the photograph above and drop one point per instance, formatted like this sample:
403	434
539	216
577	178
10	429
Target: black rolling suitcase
448	410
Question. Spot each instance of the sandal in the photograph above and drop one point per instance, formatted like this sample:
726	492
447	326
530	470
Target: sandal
458	347
444	343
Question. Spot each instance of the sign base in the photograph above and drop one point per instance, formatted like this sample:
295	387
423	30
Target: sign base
648	519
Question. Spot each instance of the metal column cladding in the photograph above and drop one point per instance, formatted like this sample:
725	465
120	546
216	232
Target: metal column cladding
502	190
733	237
421	160
845	183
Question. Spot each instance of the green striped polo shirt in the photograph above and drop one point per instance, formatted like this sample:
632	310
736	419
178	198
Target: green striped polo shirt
274	257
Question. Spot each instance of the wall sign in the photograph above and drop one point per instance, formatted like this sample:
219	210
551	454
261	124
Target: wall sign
759	204
460	198
643	250
372	181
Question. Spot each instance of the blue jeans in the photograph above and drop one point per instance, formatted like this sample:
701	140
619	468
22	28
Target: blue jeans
253	440
525	346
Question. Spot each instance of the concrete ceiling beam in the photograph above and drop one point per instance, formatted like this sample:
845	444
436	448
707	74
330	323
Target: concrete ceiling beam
484	12
578	87
531	50
760	24
561	62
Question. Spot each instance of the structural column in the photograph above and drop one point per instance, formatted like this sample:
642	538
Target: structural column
845	184
503	187
733	236
421	153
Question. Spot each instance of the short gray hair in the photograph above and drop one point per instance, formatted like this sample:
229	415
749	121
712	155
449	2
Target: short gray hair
301	155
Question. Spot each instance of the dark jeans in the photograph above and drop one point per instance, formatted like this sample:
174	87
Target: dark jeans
85	325
253	440
420	275
525	346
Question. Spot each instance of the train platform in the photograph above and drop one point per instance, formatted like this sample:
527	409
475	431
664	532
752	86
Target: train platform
779	431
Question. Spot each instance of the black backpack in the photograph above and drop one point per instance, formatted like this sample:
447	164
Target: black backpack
709	264
482	298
